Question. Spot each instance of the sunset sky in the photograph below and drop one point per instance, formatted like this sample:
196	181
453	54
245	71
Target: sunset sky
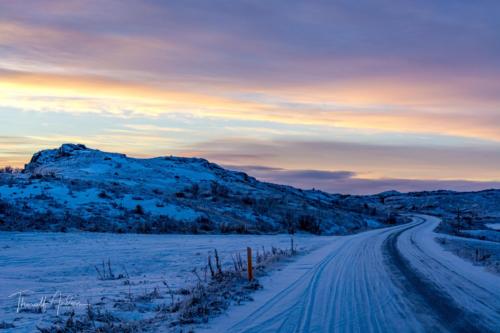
345	96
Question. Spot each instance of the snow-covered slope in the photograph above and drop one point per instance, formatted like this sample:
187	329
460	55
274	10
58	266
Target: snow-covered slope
466	214
74	187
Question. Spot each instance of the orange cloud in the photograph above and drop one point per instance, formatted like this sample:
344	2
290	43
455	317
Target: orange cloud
81	93
369	161
367	111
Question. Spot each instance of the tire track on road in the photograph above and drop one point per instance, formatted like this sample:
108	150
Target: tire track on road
425	295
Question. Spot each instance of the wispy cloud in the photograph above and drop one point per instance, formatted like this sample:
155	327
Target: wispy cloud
368	160
347	182
94	94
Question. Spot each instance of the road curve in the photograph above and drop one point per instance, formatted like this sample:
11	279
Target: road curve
388	280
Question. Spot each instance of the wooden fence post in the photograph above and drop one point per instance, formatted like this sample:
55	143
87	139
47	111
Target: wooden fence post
249	262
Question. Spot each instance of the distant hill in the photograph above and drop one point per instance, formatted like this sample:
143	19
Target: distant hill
77	188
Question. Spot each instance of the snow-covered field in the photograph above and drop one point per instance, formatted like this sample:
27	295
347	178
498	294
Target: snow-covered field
44	264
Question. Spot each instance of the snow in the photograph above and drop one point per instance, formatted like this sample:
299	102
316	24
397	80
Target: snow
328	290
347	286
491	235
75	183
494	226
469	285
371	223
79	198
45	263
16	192
157	207
479	252
98	168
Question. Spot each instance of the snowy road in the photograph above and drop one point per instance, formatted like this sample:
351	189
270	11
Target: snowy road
388	280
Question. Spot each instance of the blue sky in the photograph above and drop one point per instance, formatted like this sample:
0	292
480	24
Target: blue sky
399	95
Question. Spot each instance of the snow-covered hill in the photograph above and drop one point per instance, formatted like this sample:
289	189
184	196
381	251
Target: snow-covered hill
466	214
74	187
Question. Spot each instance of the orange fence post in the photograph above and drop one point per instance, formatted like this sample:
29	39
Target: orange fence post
249	262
